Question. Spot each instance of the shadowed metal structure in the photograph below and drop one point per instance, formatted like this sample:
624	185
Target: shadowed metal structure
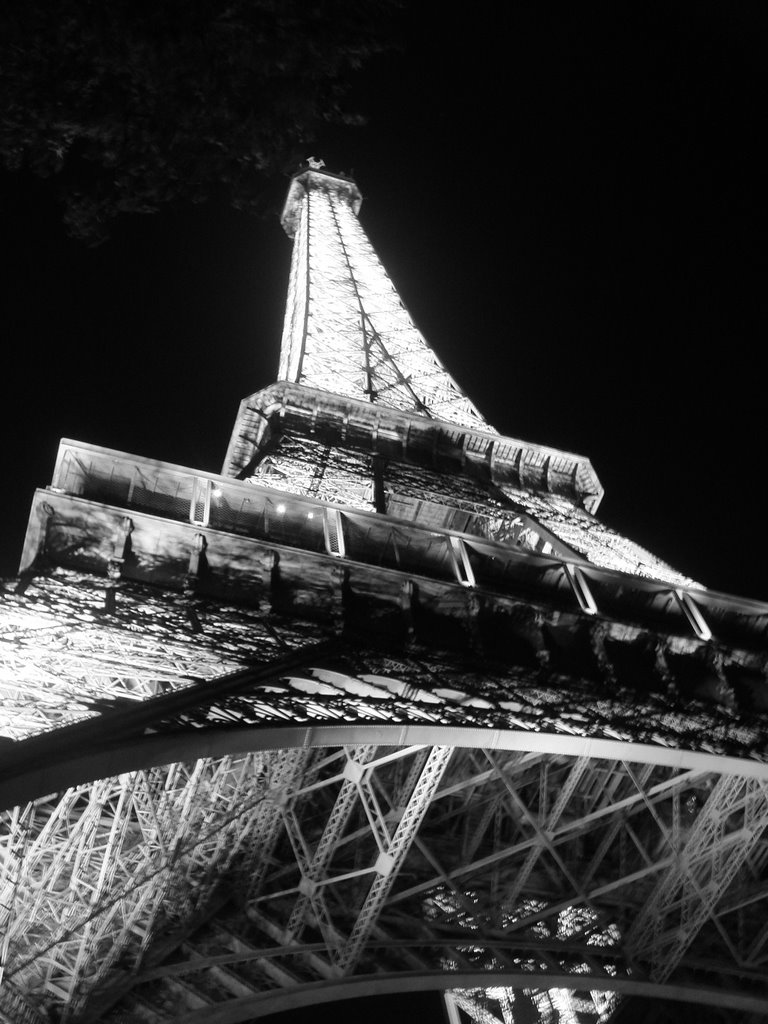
384	707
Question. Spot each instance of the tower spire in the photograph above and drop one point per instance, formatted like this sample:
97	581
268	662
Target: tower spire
346	329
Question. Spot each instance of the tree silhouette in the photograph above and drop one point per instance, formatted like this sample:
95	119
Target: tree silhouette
132	104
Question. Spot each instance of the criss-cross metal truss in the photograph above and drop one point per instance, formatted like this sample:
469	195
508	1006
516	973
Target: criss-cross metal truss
346	329
383	708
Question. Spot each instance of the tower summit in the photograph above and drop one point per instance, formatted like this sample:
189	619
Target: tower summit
382	707
346	329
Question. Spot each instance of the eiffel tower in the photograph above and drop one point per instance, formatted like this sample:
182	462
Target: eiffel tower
384	707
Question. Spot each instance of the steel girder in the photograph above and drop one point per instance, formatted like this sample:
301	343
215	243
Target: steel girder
572	917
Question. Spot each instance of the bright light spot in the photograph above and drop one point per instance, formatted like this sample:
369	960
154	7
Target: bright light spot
310	515
216	492
280	509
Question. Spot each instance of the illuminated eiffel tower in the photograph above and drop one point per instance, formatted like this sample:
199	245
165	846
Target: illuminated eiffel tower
382	708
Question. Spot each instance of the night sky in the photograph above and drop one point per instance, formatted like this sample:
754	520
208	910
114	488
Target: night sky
571	203
571	206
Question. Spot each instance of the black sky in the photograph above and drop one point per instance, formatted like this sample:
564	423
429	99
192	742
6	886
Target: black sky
570	199
571	204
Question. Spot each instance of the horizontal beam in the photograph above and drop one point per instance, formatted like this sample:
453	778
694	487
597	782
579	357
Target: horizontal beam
79	490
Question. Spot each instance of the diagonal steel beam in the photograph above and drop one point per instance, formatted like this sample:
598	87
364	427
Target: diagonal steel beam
390	862
567	830
565	794
314	869
712	856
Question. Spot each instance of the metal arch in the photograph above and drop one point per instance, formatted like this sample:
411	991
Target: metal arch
149	750
606	813
257	813
238	1011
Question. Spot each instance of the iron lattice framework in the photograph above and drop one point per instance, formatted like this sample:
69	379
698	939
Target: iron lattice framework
383	707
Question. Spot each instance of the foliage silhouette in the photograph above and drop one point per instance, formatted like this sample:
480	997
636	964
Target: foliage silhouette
133	104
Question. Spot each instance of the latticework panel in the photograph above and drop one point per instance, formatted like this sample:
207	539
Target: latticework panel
309	468
262	881
537	522
64	659
594	540
595	853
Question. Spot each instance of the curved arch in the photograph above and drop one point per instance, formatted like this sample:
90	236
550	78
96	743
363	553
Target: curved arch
58	770
236	1011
